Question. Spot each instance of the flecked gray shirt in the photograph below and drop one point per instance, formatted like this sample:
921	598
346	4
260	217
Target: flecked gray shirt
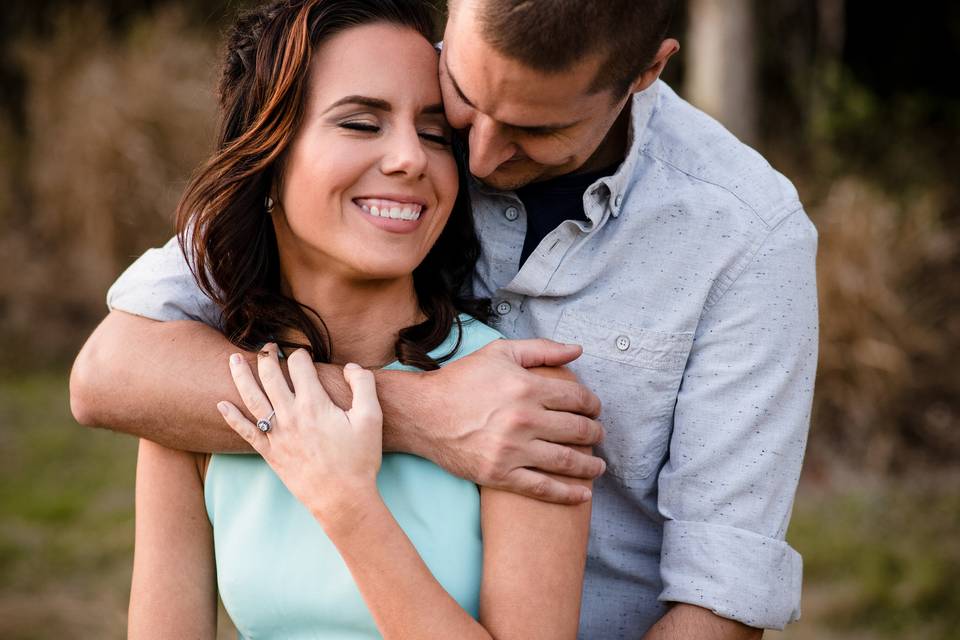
691	287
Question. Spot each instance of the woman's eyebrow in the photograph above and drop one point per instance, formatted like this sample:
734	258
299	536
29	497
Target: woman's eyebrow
380	105
363	101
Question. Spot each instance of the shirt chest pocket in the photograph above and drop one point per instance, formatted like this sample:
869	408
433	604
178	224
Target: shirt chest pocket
636	372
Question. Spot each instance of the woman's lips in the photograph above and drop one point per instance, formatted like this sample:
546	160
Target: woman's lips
392	214
388	208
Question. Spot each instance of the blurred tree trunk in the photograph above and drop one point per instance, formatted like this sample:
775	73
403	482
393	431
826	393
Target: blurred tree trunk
721	75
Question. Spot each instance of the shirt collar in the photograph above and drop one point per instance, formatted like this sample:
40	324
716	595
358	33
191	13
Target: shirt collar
642	106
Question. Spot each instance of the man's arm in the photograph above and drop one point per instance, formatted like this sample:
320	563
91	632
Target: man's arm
685	621
484	417
740	428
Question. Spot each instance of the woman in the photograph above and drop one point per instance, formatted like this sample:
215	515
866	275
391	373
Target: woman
321	225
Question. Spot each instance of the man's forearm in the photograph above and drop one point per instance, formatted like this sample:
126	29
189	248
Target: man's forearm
156	380
162	381
685	621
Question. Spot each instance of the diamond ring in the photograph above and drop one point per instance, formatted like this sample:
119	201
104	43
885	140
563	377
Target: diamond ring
264	424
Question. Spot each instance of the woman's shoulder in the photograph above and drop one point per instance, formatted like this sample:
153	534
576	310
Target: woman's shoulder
468	335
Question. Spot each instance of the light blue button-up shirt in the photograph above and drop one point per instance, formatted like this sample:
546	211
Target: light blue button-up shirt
691	287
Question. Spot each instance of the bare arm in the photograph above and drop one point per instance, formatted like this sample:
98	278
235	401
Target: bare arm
534	555
484	417
534	552
174	592
684	621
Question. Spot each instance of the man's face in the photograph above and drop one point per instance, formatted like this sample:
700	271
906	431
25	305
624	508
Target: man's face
523	125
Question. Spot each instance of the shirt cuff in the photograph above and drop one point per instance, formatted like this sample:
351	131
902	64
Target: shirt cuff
737	574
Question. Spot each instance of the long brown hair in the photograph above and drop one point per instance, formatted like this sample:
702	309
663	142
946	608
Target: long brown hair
223	227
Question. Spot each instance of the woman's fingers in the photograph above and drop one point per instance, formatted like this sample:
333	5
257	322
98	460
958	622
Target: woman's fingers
272	379
252	395
247	430
303	375
365	407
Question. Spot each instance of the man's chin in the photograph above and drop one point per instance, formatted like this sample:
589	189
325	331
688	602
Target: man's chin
510	180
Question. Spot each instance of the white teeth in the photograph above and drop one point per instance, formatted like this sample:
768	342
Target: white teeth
390	209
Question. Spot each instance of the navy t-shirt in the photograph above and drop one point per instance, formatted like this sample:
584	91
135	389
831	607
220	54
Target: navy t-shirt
552	201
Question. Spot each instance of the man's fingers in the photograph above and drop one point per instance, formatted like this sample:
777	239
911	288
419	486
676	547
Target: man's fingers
247	430
536	485
272	378
565	461
570	428
250	392
365	406
569	396
539	352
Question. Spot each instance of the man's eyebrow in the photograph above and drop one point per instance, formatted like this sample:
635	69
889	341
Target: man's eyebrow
456	87
542	128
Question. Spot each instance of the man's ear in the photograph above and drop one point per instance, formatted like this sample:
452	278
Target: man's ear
649	75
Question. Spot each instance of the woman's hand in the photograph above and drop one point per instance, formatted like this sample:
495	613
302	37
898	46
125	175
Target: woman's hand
328	458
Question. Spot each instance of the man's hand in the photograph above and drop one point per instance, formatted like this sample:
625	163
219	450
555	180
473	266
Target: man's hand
685	622
504	426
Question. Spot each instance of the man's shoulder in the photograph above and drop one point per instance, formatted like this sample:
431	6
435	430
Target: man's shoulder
684	140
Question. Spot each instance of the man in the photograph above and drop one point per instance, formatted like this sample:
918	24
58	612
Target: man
612	215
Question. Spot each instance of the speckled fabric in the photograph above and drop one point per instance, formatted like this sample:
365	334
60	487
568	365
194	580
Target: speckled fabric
691	287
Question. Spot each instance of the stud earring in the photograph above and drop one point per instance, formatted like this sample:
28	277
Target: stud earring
268	203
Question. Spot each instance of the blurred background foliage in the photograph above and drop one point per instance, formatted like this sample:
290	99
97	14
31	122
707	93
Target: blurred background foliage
106	107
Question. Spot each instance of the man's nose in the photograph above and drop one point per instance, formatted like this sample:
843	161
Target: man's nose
489	148
405	155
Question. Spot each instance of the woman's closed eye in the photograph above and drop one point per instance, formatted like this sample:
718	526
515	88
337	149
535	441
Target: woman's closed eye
435	137
361	126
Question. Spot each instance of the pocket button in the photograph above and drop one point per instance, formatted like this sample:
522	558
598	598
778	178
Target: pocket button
623	343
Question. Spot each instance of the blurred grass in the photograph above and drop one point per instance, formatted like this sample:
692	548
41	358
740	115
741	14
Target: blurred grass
881	558
66	516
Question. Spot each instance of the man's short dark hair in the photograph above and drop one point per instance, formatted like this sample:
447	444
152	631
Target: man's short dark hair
553	35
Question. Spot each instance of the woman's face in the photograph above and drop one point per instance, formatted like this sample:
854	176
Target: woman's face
369	180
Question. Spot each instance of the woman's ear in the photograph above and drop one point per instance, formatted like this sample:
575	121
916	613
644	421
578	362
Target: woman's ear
649	75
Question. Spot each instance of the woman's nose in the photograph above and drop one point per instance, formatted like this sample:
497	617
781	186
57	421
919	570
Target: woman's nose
405	155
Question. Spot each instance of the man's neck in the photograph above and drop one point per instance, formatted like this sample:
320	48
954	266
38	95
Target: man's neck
613	149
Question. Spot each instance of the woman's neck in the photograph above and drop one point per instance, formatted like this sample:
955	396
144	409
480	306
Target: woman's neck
362	317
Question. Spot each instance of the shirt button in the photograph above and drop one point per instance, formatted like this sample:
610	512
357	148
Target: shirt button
504	308
623	343
511	214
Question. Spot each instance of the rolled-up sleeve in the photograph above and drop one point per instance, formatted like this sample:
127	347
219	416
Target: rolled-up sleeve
740	430
160	285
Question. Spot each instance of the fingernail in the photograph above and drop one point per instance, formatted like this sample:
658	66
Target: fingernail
603	465
222	407
351	365
236	359
587	494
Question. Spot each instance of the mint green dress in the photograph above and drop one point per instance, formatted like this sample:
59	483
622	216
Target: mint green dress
278	574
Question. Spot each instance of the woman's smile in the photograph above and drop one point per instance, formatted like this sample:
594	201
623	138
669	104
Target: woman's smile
393	213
